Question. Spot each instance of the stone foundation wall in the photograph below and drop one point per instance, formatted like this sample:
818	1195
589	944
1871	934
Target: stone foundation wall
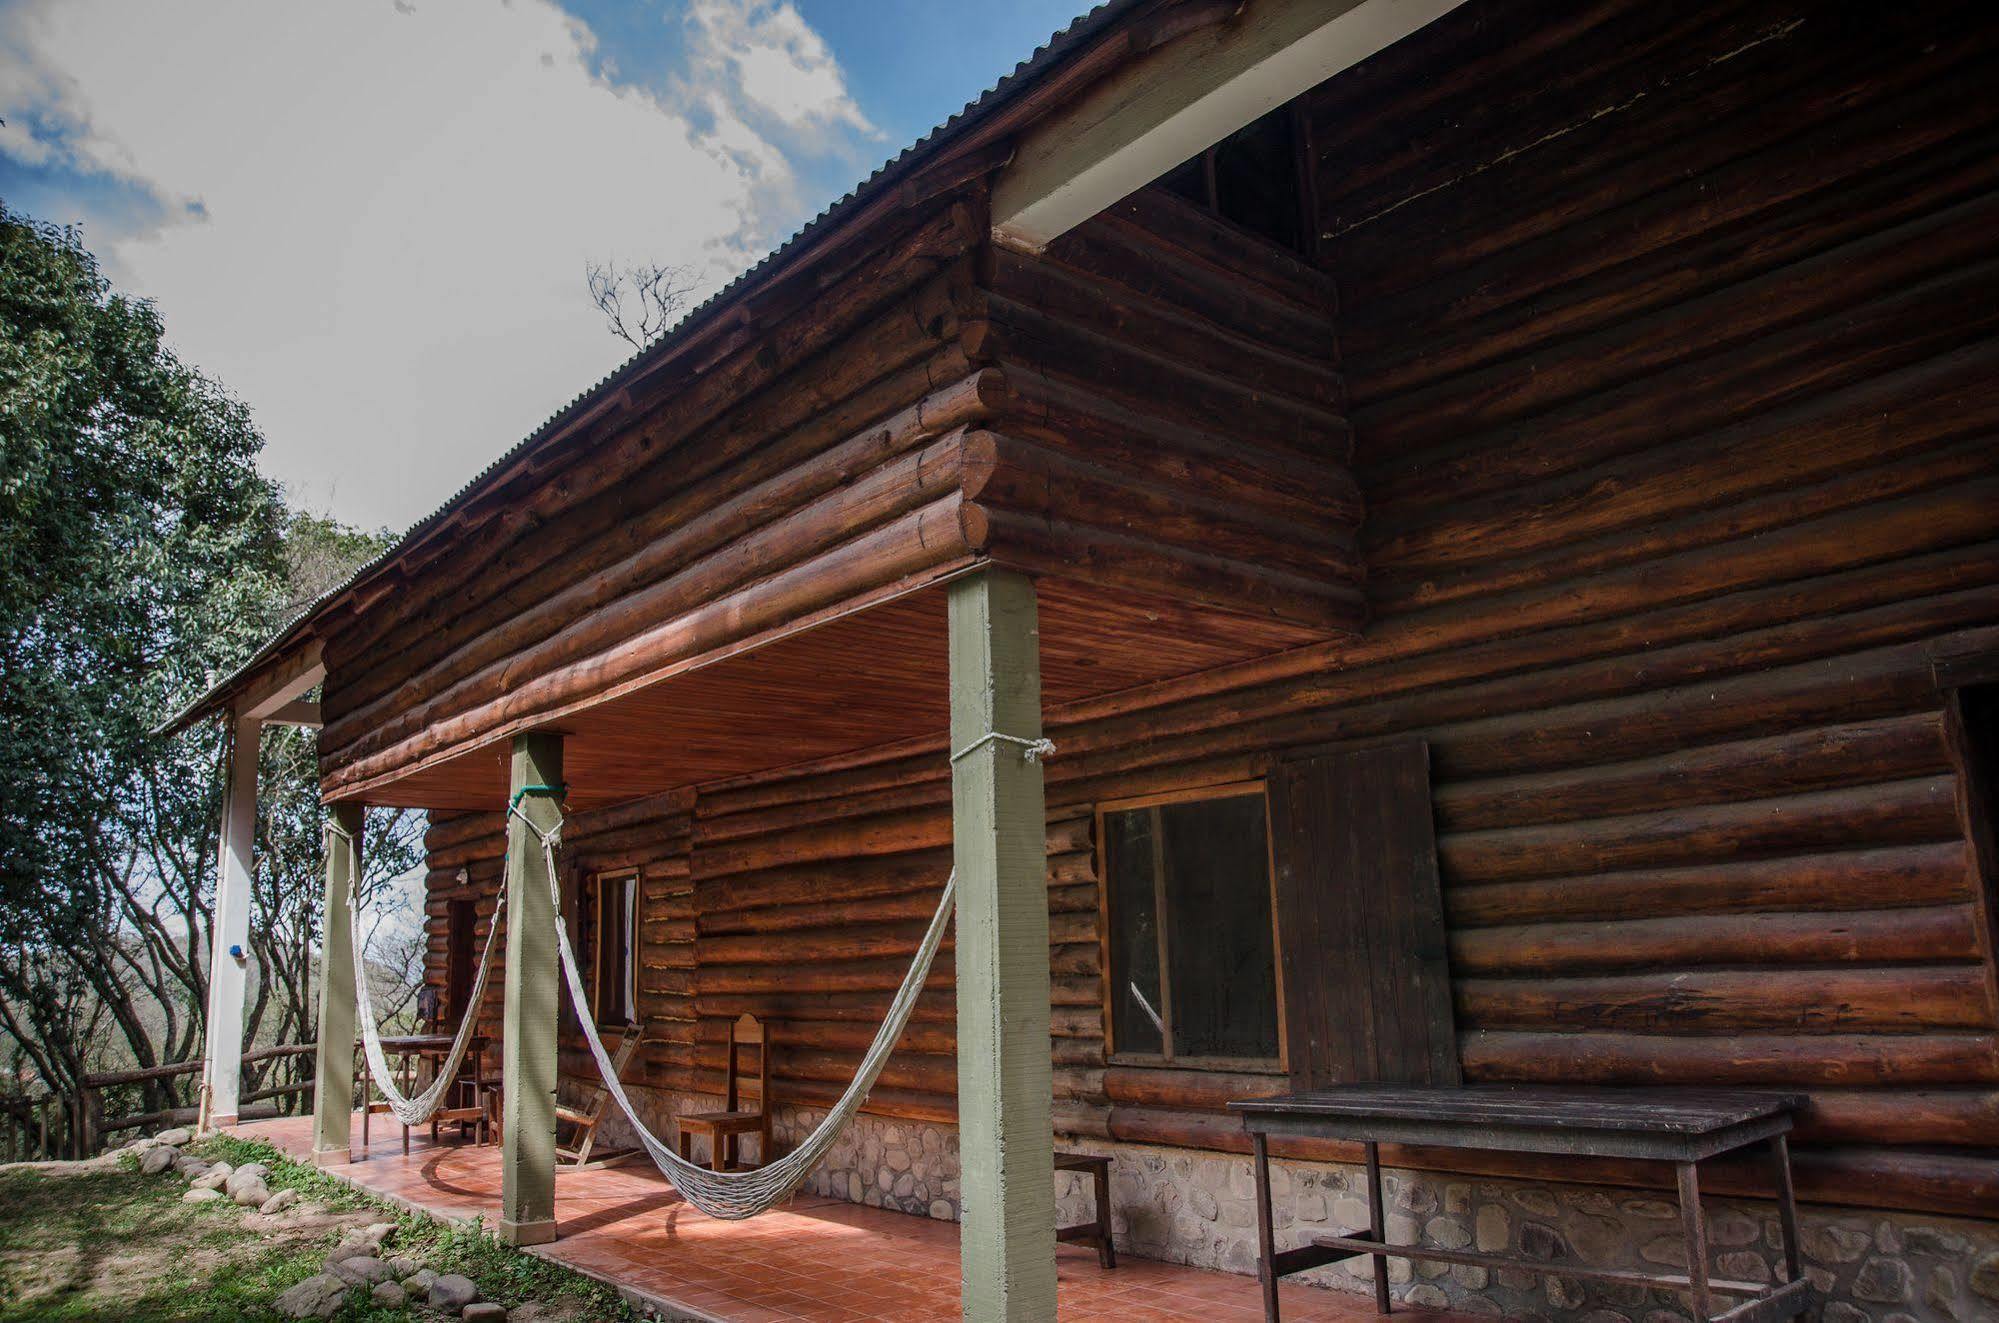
1199	1208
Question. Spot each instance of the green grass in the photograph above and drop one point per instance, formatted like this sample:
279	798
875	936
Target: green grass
77	1243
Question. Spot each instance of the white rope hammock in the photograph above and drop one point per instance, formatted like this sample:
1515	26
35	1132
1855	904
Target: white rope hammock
419	1109
736	1195
730	1195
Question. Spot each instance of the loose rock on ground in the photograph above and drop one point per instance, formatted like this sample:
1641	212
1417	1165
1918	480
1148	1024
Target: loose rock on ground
363	1270
251	1194
364	1241
452	1293
215	1177
318	1296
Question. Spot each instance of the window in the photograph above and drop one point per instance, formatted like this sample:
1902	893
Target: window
611	911
1189	931
1254	178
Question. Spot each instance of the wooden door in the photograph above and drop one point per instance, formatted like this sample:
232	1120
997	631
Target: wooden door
460	920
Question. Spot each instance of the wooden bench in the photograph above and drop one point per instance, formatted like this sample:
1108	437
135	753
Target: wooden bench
1096	1233
1681	1126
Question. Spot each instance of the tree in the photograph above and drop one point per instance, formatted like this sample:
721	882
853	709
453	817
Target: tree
141	554
640	300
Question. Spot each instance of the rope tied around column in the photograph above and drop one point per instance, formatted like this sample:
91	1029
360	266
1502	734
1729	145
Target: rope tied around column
1032	751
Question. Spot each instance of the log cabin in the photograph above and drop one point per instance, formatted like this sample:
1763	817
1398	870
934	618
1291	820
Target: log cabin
1492	505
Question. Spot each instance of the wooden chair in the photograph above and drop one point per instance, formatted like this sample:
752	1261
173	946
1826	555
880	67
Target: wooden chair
723	1127
576	1154
465	1100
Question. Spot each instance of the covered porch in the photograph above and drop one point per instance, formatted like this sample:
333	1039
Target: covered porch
817	1259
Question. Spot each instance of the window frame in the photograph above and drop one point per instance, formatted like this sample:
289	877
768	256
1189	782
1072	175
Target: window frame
1275	1065
626	881
1976	772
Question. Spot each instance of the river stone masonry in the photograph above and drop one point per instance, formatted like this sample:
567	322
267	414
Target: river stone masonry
1198	1208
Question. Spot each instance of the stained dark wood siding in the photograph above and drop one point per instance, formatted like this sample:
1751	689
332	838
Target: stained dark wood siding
1670	337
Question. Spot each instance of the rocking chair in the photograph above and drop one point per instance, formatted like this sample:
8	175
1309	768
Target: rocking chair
576	1154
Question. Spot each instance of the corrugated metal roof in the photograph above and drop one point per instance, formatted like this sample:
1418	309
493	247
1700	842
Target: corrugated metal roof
1044	59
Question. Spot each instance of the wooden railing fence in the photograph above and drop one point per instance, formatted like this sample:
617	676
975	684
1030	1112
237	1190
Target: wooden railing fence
33	1127
89	1126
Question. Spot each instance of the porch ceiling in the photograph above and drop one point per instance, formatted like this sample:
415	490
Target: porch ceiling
875	677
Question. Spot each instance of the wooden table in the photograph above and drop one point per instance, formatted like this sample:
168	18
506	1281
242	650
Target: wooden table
1681	1126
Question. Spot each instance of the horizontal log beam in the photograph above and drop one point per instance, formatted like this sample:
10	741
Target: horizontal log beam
1181	97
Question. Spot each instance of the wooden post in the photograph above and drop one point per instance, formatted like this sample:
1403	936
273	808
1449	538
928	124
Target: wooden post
999	845
1695	1224
228	964
333	1100
527	1155
1377	1227
1266	1234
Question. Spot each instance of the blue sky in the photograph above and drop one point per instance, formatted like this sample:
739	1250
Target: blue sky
909	64
370	219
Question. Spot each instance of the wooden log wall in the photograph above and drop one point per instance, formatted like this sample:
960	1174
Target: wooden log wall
1172	422
1687	317
935	406
1668	342
465	854
813	929
649	835
789	476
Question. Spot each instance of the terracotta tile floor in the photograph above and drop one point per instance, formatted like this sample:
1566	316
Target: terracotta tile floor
815	1259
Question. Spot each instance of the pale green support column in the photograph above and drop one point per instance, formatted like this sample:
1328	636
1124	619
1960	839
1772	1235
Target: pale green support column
333	1100
1000	845
527	1153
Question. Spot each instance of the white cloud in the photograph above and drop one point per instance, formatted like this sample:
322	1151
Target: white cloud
381	212
776	64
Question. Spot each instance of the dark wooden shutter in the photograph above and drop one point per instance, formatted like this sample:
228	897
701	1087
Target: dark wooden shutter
1360	919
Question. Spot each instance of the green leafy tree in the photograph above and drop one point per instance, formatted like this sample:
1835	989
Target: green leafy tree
141	555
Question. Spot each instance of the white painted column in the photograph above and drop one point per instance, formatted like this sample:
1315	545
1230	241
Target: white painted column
1000	847
228	965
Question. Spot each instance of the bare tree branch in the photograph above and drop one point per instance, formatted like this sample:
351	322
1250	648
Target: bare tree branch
640	300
